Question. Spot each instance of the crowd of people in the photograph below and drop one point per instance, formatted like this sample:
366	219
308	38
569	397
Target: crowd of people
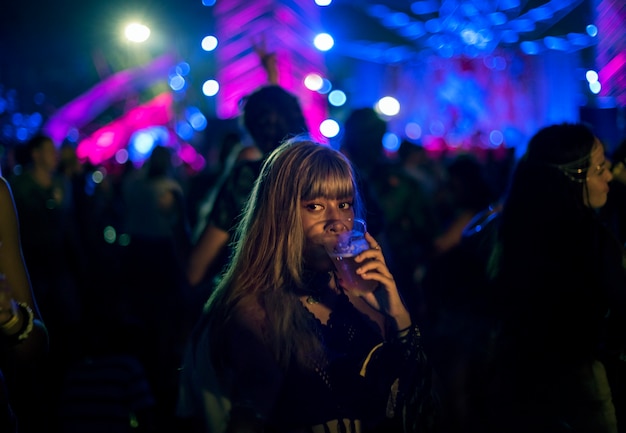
493	309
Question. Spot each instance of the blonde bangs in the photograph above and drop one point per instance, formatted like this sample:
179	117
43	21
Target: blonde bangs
330	176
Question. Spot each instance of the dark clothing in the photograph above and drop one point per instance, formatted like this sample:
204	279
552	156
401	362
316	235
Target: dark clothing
106	393
402	216
614	211
459	325
51	246
226	211
233	195
556	323
355	381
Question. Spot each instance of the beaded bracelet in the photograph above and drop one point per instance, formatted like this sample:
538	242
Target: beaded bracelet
27	324
30	320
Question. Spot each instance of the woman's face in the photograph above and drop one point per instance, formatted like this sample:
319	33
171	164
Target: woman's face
598	178
319	217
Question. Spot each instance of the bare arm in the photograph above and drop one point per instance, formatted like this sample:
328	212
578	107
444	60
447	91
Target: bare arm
268	59
13	266
204	253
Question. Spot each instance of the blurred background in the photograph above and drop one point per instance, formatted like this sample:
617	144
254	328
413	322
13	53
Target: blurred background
447	74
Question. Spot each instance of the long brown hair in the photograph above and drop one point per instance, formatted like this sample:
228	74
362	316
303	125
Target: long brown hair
267	264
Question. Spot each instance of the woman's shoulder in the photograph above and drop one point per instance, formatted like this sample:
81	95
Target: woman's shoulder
250	313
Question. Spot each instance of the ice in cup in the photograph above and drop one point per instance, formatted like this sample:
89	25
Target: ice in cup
342	248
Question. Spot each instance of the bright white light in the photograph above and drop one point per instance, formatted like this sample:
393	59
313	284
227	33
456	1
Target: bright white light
323	2
209	43
323	42
389	106
136	32
210	87
592	76
313	82
329	128
337	98
595	87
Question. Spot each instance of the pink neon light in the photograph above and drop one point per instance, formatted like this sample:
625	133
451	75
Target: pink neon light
612	67
85	108
106	141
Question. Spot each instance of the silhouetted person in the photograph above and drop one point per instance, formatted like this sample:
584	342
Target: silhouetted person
399	209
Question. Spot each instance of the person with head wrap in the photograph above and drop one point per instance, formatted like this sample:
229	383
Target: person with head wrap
559	289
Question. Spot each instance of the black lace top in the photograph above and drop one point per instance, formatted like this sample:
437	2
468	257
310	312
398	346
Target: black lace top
356	383
363	383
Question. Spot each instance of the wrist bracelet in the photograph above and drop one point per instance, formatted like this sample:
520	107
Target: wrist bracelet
29	319
11	322
400	331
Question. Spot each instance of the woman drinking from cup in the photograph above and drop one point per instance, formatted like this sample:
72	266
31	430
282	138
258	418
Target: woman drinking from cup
281	346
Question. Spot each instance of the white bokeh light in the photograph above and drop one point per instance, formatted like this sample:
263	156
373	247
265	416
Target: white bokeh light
313	82
323	42
209	43
210	87
329	128
388	106
136	32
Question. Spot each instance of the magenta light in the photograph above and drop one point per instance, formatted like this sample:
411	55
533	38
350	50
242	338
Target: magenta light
106	141
612	67
82	110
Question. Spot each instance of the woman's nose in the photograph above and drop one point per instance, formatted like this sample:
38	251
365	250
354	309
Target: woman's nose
337	226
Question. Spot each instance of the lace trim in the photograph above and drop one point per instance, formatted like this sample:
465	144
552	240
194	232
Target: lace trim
344	425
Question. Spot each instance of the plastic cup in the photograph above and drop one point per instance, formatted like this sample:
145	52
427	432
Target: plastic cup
342	248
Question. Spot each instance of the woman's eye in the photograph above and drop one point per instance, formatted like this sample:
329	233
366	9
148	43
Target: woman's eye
345	205
313	206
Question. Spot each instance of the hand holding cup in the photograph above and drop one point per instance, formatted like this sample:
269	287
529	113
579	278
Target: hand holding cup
342	248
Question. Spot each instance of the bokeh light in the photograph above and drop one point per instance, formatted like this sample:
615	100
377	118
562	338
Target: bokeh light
388	106
323	42
329	128
137	32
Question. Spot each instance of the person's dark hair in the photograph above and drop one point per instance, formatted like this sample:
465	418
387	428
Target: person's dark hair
566	146
545	226
552	171
23	154
363	135
270	115
407	149
160	162
37	141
